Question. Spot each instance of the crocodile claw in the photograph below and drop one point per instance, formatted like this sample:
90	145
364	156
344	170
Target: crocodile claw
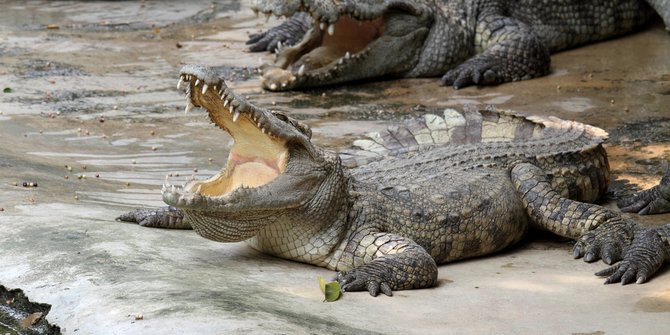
164	217
606	242
655	200
359	280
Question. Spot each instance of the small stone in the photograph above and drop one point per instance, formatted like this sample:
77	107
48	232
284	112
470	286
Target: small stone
115	107
154	148
195	169
25	184
152	133
76	197
139	316
210	159
128	184
16	184
134	161
612	102
2	209
66	177
83	167
97	175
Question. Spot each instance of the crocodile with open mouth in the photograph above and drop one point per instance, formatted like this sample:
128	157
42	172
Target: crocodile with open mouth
432	190
467	42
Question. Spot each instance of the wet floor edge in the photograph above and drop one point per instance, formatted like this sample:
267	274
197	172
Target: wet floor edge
20	316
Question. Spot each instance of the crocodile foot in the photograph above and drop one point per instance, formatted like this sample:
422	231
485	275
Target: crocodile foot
288	33
655	200
645	256
370	277
164	217
607	242
476	71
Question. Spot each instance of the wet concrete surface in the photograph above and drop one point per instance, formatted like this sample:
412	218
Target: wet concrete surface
95	121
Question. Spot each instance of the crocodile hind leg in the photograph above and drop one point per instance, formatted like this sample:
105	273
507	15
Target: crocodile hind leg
388	262
288	33
601	233
163	217
512	51
655	200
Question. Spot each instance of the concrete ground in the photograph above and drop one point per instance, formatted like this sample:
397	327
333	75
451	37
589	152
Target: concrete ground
94	119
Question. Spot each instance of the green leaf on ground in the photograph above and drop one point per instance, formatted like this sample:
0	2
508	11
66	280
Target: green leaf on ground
7	90
330	290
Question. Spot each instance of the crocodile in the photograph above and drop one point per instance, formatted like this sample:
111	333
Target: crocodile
431	190
467	42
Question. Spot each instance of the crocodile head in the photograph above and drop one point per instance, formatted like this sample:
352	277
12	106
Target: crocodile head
348	41
272	167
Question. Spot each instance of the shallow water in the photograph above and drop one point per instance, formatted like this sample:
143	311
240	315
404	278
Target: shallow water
95	120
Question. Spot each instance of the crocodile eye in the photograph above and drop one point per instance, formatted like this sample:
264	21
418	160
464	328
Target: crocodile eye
280	116
303	128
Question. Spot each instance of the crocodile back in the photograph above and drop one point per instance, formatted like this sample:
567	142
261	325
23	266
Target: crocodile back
422	150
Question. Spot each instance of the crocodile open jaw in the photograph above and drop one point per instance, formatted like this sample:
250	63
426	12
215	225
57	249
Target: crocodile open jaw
257	156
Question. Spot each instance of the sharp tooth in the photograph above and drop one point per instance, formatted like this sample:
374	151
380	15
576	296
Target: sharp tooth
263	130
236	116
279	45
322	25
181	81
331	29
188	108
197	81
231	109
301	70
340	61
173	189
347	55
258	125
204	88
225	103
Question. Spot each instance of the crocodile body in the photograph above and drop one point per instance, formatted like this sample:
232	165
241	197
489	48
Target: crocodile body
429	191
467	42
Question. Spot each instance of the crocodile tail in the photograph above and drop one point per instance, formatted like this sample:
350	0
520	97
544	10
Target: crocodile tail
471	126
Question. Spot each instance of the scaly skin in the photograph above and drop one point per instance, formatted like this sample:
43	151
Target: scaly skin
467	42
429	191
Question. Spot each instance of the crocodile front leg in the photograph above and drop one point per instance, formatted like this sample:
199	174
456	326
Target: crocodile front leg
602	233
391	262
287	33
655	200
163	217
511	52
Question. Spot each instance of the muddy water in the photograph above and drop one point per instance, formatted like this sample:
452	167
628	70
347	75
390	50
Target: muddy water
92	116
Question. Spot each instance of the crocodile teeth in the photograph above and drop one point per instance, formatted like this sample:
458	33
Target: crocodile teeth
331	29
173	189
204	88
301	70
263	130
231	109
340	61
236	116
225	103
197	81
322	25
188	108
279	45
181	81
347	55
